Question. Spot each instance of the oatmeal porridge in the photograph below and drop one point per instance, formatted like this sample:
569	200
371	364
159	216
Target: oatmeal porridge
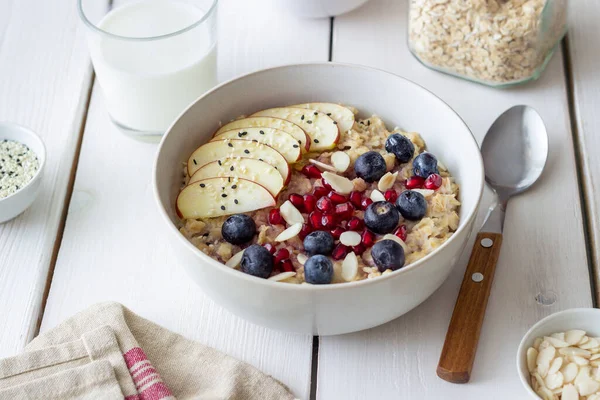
310	194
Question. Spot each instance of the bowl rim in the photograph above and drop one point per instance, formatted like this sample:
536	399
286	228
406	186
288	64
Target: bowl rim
41	156
309	287
522	349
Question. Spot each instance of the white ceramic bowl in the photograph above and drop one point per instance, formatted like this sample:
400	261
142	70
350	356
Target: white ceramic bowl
587	319
16	203
318	8
322	309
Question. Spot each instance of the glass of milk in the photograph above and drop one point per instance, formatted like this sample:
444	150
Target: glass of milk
152	57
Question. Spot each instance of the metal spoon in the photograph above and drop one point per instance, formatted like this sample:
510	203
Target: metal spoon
514	154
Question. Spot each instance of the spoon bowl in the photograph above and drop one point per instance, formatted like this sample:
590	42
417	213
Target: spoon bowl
515	151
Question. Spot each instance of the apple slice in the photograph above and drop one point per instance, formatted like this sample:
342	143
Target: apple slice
215	197
247	168
340	114
277	139
233	148
269	122
322	130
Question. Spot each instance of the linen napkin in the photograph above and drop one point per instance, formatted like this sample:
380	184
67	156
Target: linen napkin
108	352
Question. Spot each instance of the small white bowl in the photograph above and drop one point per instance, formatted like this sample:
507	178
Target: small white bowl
16	203
587	319
318	8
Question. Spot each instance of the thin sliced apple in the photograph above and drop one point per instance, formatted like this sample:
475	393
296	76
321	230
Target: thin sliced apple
322	130
215	197
277	139
219	150
247	168
269	122
340	114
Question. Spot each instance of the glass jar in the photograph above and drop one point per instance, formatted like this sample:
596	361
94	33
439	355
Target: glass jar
495	42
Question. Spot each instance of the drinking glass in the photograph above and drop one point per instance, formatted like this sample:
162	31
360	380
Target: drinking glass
152	58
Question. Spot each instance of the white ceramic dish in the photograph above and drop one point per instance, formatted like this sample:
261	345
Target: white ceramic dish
587	319
327	309
318	8
16	203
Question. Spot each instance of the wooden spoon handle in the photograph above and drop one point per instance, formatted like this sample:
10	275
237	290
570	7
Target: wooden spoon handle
460	346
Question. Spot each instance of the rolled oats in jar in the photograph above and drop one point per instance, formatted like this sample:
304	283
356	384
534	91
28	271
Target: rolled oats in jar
495	42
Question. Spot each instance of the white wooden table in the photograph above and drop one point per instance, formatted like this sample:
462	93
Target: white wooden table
95	219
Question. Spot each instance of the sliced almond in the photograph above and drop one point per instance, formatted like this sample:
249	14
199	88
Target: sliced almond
590	344
582	375
282	276
594	357
537	342
441	166
396	239
321	165
289	233
569	372
387	181
340	160
545	393
349	267
569	393
376	195
339	183
302	258
531	357
575	351
580	360
350	238
290	213
583	340
559	336
556	342
424	192
554	381
574	336
587	387
592	397
543	360
555	365
235	260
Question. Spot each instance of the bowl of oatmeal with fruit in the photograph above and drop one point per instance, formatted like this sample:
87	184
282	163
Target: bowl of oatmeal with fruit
319	208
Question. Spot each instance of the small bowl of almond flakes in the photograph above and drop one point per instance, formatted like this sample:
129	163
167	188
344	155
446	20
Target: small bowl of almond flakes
559	357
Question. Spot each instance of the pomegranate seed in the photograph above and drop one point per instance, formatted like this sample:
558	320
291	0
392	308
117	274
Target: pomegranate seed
366	202
344	211
355	198
297	200
315	219
433	182
367	238
281	254
320	191
337	232
414	182
359	249
325	205
340	251
328	221
269	247
286	265
275	217
306	229
355	224
336	197
326	185
391	195
309	202
401	232
311	171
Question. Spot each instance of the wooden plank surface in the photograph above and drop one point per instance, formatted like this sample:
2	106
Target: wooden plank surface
542	266
113	248
44	83
584	61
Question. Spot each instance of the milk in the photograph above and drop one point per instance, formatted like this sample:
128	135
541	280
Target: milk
148	83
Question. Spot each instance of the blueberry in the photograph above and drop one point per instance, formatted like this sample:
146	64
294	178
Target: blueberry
318	270
318	242
388	254
412	205
401	146
257	261
238	229
370	166
381	217
424	165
